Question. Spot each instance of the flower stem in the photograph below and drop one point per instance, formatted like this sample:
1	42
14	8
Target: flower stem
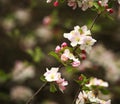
32	97
96	17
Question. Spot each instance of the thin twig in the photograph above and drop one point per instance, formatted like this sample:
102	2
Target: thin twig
96	17
32	97
76	96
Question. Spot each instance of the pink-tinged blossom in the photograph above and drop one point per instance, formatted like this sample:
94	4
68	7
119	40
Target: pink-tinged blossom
52	74
64	57
57	49
47	20
85	4
86	43
72	3
103	2
48	1
76	63
89	96
68	54
62	84
76	35
118	1
97	82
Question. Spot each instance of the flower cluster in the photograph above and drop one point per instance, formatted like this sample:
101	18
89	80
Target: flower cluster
88	97
54	76
81	41
81	36
97	82
84	4
102	5
66	55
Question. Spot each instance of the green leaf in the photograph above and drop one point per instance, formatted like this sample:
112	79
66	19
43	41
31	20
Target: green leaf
69	68
104	90
36	54
96	5
52	88
42	78
3	76
52	53
85	88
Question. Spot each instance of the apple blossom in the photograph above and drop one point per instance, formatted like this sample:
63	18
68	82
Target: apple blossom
77	34
76	63
48	1
97	82
62	83
85	4
89	97
103	2
86	43
118	1
52	75
72	3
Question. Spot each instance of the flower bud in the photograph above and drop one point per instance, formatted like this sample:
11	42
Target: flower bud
55	3
64	44
57	49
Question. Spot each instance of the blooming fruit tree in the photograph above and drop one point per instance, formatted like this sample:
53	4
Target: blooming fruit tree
72	55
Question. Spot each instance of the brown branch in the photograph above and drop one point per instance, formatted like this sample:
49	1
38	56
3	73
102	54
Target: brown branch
32	97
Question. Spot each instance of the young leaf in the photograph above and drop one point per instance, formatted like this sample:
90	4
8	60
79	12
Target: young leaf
52	53
52	88
42	78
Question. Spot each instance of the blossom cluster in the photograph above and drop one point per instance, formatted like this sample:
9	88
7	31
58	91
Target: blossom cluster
54	76
88	97
80	38
85	4
97	82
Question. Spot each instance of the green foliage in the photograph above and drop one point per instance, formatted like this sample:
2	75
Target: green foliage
36	54
52	53
42	78
84	80
53	87
3	76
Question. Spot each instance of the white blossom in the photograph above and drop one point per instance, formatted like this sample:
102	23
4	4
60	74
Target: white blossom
88	96
52	74
97	82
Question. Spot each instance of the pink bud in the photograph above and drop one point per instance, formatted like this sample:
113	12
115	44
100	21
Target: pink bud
64	44
47	20
99	2
110	10
83	56
55	3
76	63
80	78
57	49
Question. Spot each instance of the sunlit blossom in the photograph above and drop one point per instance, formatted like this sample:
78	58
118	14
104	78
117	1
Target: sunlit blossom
97	82
52	74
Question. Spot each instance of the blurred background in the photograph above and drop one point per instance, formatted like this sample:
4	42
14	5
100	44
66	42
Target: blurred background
30	29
